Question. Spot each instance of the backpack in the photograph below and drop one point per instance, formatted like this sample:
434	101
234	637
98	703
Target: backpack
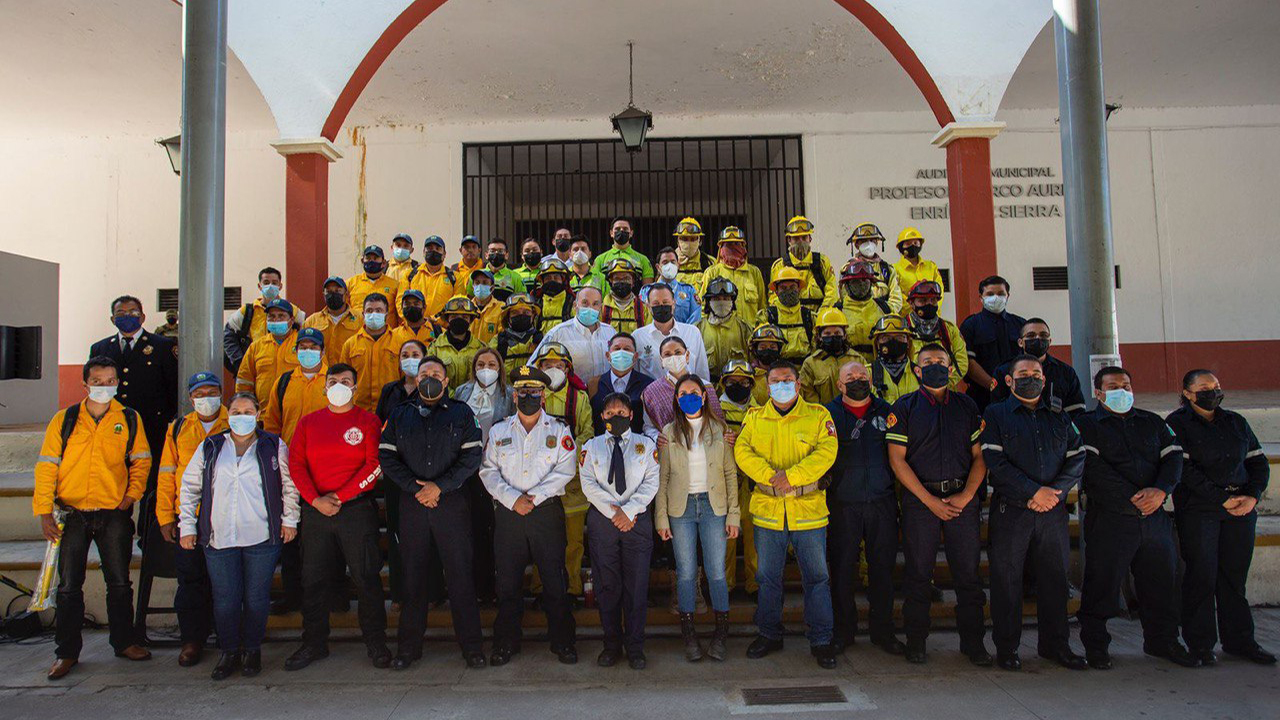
282	385
815	268
72	414
448	272
806	320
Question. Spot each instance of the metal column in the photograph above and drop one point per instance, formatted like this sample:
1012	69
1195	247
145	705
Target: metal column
204	130
1086	186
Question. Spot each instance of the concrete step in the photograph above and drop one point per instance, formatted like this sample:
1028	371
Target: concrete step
19	447
16	520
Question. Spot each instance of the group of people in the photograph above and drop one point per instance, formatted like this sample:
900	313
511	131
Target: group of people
524	416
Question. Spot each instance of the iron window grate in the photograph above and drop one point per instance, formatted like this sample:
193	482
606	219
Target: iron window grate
804	695
1054	277
946	278
167	298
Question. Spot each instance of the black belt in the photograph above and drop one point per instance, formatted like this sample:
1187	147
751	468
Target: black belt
943	488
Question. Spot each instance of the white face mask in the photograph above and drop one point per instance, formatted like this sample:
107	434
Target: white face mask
867	249
339	395
675	364
206	406
557	377
995	303
103	393
486	376
579	257
668	270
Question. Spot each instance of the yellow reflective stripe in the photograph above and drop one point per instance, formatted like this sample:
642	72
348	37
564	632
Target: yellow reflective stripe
975	434
895	436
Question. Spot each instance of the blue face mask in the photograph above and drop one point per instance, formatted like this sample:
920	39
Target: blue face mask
622	360
588	316
690	404
401	254
481	291
277	327
375	320
127	323
270	292
409	366
1120	401
243	424
783	392
309	358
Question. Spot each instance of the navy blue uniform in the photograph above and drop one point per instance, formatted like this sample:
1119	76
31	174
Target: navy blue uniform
939	436
992	340
636	383
1222	458
148	383
1027	449
1059	377
863	511
1123	455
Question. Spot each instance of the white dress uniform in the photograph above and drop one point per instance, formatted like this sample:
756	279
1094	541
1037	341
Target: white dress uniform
540	462
588	348
649	355
639	463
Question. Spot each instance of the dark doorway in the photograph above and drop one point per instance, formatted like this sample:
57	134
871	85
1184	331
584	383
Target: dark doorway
523	190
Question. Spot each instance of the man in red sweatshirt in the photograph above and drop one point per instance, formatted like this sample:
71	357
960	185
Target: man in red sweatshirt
334	456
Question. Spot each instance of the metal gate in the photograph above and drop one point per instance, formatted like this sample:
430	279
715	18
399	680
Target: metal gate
529	189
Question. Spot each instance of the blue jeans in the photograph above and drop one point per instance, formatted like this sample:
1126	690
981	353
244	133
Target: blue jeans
771	557
241	582
699	521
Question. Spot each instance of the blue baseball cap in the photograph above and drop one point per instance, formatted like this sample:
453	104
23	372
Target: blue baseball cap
433	240
485	272
280	304
414	294
469	239
312	334
336	279
374	250
401	236
203	379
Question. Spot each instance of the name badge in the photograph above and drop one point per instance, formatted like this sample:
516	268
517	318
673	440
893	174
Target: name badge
504	442
551	442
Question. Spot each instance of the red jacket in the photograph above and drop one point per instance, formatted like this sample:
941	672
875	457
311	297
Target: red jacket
335	452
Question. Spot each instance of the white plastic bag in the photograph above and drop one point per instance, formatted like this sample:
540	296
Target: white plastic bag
46	592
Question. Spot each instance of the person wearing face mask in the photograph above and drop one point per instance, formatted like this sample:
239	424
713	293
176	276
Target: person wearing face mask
170	327
298	391
1132	463
373	352
489	308
662	306
520	333
401	263
861	309
864	244
553	292
93	466
817	278
725	335
334	460
891	371
337	320
239	506
530	256
1224	473
471	261
692	262
416	325
623	310
687	305
1061	378
619	472
586	337
529	459
991	336
504	276
623	377
374	279
271	354
786	447
249	322
431	448
935	455
622	234
786	312
911	268
457	345
864	510
674	363
561	246
737	381
580	270
765	348
731	264
433	280
1034	456
927	326
820	373
191	601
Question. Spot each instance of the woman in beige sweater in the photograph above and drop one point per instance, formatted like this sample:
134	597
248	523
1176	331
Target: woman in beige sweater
698	502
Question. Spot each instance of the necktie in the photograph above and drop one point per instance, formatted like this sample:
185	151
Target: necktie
617	472
128	345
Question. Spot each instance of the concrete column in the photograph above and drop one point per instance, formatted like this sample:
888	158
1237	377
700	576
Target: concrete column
972	208
1086	187
204	134
306	218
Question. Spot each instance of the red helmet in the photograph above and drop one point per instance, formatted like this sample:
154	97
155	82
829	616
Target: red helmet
857	270
925	289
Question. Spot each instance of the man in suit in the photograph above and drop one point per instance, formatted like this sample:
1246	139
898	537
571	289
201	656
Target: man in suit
623	377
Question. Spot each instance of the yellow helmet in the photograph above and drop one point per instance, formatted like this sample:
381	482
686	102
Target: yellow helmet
785	273
799	225
767	333
688	227
552	265
459	305
830	317
733	233
889	325
909	233
553	351
621	264
520	300
865	231
737	367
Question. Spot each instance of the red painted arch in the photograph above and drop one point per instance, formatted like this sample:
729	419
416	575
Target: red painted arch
418	11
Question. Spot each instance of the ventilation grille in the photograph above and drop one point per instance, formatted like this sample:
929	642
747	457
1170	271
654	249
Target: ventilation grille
806	695
167	299
1054	277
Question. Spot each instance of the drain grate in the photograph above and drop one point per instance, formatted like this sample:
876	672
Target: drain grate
806	695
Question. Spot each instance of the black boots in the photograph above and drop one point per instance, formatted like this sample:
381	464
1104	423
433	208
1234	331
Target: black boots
716	650
692	648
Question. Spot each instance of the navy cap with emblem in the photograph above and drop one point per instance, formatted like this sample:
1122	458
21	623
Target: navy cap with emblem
373	250
529	377
414	294
203	379
336	279
280	304
312	334
434	240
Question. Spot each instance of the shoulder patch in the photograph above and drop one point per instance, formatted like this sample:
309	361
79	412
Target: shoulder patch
582	456
831	429
982	424
879	424
890	421
566	442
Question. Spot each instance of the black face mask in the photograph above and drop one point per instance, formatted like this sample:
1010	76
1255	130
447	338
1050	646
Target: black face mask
373	267
617	425
737	392
857	389
501	294
430	389
622	237
458	326
935	376
531	258
927	312
497	259
893	349
563	244
521	323
662	313
1028	387
434	257
768	357
621	289
528	404
413	314
1209	399
552	287
1036	346
833	345
911	252
334	301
